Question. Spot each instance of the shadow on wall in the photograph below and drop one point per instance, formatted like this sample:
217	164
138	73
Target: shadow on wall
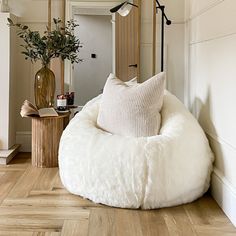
203	113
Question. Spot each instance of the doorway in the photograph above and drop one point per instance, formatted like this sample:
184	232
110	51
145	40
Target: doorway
120	55
95	34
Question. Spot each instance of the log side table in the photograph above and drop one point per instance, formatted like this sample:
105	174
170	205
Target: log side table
46	134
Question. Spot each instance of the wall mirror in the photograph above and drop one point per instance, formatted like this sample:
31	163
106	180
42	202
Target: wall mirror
111	43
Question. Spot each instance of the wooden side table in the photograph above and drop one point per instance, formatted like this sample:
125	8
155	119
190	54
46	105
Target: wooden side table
46	134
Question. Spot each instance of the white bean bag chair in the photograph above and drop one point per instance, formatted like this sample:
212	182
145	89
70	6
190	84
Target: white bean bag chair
165	170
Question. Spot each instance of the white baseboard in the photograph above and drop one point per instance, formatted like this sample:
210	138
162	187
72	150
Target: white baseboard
24	138
224	194
7	155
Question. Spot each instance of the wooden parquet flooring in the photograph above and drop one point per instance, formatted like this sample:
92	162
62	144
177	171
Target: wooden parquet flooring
34	202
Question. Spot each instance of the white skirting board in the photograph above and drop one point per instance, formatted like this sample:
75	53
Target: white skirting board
24	138
224	194
7	155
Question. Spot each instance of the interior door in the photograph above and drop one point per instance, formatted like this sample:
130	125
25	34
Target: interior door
127	43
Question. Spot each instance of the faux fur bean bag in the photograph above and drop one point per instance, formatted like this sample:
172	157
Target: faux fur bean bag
169	169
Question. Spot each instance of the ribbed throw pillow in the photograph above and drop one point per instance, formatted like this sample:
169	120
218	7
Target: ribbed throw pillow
132	110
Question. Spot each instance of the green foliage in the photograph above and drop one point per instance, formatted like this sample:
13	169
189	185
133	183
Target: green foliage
60	42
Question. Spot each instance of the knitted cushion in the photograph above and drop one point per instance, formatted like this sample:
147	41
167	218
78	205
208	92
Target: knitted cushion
132	110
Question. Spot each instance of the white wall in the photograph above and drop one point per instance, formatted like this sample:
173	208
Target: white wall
212	82
7	83
146	40
174	43
174	46
95	33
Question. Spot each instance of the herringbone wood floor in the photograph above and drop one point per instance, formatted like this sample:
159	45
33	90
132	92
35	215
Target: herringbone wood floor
34	202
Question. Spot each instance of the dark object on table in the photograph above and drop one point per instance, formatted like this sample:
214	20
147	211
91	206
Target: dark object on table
70	98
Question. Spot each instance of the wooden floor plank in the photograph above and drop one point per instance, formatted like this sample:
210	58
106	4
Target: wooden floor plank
45	180
29	212
212	212
57	184
25	183
46	234
16	233
101	222
196	213
30	224
7	182
75	227
48	199
52	233
1	174
127	222
178	222
153	223
211	230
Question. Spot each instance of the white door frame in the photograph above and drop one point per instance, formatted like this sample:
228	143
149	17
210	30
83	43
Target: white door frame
71	6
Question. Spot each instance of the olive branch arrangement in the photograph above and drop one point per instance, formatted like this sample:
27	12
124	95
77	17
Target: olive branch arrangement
59	42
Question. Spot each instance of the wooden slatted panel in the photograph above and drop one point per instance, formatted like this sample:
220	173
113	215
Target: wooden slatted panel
128	43
46	134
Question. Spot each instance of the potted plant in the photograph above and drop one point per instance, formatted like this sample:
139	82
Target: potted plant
59	42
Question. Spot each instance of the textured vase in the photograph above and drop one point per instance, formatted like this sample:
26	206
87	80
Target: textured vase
44	88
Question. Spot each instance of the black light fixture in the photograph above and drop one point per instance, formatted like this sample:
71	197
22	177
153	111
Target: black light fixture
168	22
123	9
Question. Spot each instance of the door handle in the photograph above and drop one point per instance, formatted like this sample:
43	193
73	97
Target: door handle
134	65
